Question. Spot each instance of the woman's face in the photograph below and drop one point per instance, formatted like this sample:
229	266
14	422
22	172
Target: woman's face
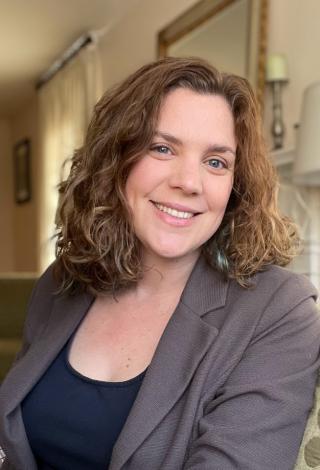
178	191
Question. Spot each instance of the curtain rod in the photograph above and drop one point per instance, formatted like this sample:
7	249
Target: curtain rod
58	64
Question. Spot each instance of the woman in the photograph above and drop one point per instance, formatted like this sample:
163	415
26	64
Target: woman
165	335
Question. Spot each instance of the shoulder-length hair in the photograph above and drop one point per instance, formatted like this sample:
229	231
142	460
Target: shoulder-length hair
97	248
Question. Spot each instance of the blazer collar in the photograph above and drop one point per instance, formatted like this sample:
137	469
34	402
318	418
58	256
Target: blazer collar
205	290
164	382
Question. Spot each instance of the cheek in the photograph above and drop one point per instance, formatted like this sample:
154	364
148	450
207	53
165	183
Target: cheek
219	195
143	178
134	183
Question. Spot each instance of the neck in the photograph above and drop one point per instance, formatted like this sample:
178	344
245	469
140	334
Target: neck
163	276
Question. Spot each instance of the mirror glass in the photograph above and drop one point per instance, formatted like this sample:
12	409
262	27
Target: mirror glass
231	24
230	34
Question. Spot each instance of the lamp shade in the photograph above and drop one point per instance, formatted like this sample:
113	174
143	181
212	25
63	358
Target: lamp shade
306	167
277	68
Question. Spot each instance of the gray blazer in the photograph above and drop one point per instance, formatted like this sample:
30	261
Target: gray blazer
230	385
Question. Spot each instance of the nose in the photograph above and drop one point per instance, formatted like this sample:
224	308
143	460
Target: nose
186	176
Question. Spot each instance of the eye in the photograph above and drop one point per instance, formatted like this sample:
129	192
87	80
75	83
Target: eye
160	148
216	164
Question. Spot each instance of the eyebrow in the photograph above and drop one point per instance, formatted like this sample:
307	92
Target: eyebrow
212	148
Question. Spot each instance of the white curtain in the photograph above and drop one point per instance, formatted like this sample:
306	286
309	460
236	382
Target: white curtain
65	103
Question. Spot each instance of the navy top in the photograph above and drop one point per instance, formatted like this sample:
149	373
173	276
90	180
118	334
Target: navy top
72	421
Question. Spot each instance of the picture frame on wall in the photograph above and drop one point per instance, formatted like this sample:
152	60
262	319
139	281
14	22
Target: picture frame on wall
22	179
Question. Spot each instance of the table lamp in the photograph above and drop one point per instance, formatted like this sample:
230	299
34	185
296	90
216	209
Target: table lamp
306	167
276	77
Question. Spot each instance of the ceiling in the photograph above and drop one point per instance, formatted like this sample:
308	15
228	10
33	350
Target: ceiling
33	33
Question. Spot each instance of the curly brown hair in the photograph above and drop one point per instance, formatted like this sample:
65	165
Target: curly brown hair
97	248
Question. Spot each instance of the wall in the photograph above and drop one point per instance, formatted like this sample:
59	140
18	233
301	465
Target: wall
6	197
25	125
133	41
129	44
294	31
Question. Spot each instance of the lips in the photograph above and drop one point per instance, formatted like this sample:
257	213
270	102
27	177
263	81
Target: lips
176	210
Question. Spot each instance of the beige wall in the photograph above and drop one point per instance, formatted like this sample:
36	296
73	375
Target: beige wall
293	30
6	197
25	125
133	41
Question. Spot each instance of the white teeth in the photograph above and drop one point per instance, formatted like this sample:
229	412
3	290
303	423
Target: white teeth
174	212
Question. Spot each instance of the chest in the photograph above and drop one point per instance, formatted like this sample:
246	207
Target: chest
116	342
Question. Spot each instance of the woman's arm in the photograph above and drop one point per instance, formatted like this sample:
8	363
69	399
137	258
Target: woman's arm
257	419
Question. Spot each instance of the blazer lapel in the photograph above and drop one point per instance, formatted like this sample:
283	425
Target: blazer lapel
183	344
67	312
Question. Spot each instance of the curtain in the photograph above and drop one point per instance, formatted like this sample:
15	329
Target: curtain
65	106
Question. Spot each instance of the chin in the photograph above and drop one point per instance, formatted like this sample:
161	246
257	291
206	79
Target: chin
170	252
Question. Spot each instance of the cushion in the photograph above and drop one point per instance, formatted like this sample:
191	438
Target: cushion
309	453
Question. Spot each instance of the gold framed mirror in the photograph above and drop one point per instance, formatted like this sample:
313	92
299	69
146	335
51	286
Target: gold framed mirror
230	34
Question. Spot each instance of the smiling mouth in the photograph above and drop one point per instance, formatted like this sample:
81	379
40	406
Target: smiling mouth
174	212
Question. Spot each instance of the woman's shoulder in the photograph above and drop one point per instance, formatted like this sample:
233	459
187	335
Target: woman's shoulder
277	280
275	293
42	298
47	279
280	295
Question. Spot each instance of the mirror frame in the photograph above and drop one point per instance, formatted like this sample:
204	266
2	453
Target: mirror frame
203	11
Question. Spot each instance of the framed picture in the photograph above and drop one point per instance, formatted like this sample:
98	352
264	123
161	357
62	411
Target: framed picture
22	180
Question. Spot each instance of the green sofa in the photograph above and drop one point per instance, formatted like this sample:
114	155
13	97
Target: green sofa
15	290
309	454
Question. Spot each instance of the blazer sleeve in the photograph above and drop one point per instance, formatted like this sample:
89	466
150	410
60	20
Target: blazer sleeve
257	419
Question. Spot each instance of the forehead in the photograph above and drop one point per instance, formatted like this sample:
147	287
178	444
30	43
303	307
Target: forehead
183	98
197	115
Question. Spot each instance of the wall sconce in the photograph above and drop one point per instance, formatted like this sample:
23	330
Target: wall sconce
276	77
306	167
